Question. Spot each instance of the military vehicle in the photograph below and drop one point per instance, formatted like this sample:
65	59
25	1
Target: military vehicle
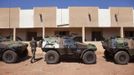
11	51
120	49
56	48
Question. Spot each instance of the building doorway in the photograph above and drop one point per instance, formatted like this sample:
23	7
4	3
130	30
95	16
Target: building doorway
30	35
129	34
97	36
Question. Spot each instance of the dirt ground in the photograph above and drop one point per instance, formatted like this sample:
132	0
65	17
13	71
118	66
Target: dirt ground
102	67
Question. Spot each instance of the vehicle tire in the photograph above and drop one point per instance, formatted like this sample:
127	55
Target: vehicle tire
52	57
107	54
89	57
9	56
121	57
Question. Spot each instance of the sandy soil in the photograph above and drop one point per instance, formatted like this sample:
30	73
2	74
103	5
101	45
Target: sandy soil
102	67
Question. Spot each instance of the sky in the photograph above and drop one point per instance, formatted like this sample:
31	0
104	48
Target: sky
29	4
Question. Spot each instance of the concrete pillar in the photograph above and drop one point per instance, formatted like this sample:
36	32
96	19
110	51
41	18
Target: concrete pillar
122	32
43	32
83	34
14	34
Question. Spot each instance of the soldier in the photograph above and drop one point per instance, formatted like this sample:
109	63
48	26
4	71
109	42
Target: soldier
33	44
113	40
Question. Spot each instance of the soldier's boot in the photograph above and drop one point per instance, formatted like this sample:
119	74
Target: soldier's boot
33	57
32	60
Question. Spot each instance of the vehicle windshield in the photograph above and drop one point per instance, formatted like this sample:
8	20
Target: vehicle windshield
51	39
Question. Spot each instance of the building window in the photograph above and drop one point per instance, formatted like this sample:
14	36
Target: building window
89	17
116	17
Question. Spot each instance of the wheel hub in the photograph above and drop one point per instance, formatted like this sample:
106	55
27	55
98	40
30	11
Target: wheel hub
51	57
89	57
122	58
9	57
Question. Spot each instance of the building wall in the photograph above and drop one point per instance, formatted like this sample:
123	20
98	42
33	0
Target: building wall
9	17
22	33
62	17
72	17
128	29
104	18
133	18
75	18
79	16
126	18
48	16
4	17
51	31
123	15
6	32
14	17
107	32
26	18
37	21
88	34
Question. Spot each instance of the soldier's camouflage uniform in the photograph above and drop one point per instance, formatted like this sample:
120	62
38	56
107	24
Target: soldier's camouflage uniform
33	44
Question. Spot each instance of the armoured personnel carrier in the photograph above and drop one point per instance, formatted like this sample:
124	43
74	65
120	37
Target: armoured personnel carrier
121	49
11	51
56	47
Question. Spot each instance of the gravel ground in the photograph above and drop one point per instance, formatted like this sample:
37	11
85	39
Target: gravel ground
102	67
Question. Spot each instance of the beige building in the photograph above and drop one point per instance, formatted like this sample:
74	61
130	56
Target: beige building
91	23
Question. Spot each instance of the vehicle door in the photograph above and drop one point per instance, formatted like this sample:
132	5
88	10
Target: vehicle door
69	45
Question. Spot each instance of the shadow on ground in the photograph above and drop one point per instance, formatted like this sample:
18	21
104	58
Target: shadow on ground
20	59
24	59
132	59
38	59
112	60
70	59
108	59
